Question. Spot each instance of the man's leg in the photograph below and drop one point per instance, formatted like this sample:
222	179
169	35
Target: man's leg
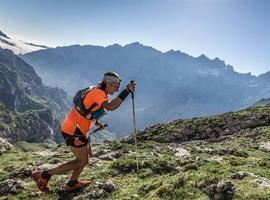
81	161
82	156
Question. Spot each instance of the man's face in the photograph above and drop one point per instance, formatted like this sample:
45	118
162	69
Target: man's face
112	87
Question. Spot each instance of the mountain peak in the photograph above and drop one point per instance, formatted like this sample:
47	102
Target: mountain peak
173	52
114	46
203	57
140	47
4	35
134	44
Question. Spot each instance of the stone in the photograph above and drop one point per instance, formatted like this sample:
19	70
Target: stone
46	166
99	189
181	152
265	146
109	186
4	145
223	190
240	175
11	186
24	172
262	182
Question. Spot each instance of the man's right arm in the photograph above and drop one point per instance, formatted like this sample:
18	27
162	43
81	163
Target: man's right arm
113	104
116	102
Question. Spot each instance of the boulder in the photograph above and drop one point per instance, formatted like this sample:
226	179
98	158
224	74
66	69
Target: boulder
4	145
181	152
265	146
240	175
11	186
98	190
223	190
262	182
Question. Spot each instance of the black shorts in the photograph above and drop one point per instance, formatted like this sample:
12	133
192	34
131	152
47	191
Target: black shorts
78	139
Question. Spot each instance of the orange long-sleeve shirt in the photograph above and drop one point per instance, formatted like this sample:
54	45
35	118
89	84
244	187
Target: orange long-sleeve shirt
74	119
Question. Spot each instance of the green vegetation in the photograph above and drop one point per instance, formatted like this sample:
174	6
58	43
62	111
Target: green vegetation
162	174
29	147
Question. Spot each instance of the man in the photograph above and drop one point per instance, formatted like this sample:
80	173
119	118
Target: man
75	128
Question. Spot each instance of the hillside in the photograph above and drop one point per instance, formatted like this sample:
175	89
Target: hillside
262	102
29	110
218	157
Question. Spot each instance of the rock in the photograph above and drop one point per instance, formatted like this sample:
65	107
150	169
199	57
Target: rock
109	186
262	182
11	186
215	159
181	152
96	193
55	161
223	190
177	150
45	153
46	166
221	151
99	189
134	196
240	175
111	155
100	152
224	186
106	157
265	146
208	131
4	145
24	172
10	167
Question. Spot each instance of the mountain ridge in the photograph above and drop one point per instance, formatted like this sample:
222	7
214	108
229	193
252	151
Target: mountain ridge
30	111
193	86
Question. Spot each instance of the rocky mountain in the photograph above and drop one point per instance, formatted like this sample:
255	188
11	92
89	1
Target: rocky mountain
216	157
29	110
18	46
265	77
171	85
262	102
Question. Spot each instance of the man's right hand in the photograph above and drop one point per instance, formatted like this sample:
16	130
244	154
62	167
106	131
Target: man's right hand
131	86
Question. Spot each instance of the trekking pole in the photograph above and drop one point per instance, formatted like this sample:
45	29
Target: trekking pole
96	130
135	129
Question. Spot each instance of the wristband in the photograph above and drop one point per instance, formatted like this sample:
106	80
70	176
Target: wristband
124	94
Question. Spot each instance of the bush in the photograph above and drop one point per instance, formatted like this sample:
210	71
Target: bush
147	187
163	164
180	181
125	165
144	173
191	166
234	161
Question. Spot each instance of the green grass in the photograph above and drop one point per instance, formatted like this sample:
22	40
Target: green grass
158	177
29	147
161	175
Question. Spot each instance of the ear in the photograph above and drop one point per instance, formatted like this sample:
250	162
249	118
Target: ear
103	85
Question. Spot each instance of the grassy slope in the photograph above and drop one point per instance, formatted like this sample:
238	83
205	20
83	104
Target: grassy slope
162	174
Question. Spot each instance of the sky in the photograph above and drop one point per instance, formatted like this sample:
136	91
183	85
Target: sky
236	31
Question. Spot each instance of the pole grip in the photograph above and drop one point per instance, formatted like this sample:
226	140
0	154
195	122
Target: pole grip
132	93
105	125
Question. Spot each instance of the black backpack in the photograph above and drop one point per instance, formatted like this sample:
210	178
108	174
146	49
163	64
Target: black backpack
78	102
